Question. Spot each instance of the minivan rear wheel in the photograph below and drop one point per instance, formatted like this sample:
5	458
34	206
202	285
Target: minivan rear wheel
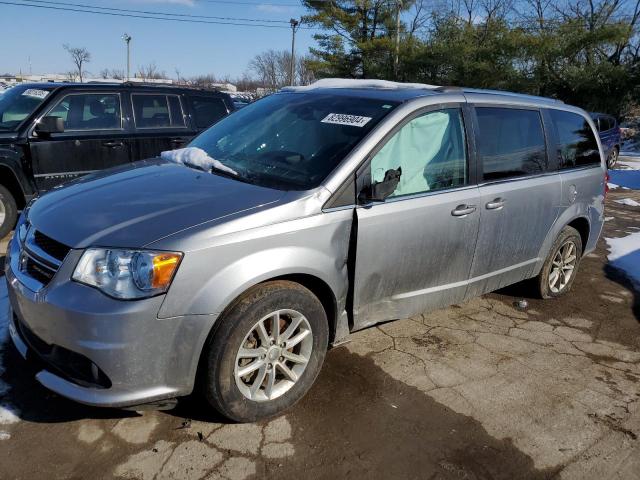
8	211
266	351
559	270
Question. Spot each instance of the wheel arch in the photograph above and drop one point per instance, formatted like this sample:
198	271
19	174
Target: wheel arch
10	182
582	225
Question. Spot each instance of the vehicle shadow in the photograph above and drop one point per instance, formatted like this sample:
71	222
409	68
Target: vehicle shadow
616	275
31	402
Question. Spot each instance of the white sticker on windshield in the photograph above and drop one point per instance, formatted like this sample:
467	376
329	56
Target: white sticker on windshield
342	119
35	92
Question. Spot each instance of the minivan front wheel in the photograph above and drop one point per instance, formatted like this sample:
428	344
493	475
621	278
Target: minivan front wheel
266	352
8	212
560	267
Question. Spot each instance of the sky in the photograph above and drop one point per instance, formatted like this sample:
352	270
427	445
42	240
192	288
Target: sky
36	36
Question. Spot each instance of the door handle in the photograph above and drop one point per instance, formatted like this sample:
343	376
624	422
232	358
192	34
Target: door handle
176	141
495	204
112	144
463	210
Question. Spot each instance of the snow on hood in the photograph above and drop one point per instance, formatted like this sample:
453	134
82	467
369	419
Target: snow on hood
356	83
195	157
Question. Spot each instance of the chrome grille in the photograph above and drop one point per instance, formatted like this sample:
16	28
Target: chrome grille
41	256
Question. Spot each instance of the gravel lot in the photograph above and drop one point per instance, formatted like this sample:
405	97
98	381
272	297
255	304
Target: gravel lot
476	391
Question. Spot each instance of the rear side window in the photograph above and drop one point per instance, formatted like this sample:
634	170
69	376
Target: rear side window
511	142
157	111
577	145
207	110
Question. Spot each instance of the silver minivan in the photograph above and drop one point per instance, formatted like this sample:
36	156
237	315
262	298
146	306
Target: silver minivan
322	210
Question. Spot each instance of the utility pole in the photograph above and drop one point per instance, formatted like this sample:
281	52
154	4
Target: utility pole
292	71
397	56
127	38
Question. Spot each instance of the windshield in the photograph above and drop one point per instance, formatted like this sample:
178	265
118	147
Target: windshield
292	140
19	102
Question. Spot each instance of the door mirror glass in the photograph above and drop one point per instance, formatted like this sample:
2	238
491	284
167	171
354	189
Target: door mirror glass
48	125
379	191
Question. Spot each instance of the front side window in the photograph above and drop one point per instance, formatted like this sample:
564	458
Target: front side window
510	142
157	111
292	140
207	110
18	103
430	150
91	111
577	145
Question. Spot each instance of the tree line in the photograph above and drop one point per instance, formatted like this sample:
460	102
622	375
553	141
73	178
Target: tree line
584	52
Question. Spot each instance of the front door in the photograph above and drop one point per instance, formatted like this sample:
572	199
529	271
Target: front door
519	196
94	138
414	250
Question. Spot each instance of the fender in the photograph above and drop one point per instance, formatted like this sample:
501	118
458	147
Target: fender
571	214
209	280
11	159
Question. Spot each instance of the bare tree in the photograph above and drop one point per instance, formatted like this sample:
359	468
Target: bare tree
79	56
272	69
150	72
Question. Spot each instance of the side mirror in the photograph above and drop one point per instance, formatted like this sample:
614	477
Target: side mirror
379	191
48	125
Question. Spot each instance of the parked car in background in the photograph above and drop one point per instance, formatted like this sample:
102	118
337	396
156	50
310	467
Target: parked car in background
322	211
610	136
54	132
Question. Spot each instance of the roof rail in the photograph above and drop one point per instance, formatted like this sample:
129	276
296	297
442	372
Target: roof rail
511	94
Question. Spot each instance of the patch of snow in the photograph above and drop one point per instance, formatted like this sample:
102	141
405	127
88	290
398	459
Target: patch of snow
4	436
357	83
195	157
628	201
625	255
612	186
606	219
8	414
625	179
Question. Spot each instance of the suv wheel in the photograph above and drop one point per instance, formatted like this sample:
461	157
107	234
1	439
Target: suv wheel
266	351
613	158
8	212
560	267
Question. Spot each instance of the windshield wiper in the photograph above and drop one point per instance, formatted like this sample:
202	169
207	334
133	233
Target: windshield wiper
235	176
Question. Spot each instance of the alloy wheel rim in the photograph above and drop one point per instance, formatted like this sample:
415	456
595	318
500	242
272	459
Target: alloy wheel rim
273	355
3	213
563	266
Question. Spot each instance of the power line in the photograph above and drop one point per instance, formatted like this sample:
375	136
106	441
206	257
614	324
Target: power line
146	12
169	19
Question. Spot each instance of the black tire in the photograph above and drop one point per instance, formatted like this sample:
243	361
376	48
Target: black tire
10	209
612	159
568	234
219	359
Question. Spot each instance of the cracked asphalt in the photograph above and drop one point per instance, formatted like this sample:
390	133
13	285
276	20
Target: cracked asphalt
480	390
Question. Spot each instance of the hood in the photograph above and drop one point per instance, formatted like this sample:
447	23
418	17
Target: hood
8	137
135	205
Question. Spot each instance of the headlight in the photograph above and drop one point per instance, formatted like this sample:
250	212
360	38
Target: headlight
127	274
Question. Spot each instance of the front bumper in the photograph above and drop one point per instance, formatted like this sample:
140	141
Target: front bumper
140	358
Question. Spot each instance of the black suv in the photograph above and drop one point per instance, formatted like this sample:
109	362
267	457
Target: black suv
53	132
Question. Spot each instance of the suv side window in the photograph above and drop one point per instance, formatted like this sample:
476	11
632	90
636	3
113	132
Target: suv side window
157	111
89	111
511	142
207	110
577	145
431	151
